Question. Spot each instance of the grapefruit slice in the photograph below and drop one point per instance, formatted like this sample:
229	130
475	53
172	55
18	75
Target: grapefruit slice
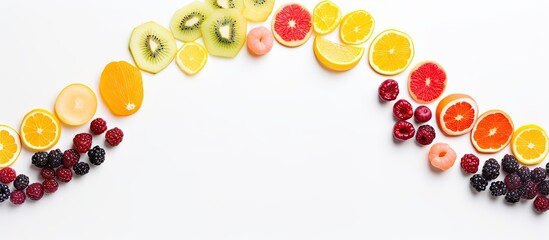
427	82
492	131
456	114
530	144
76	104
10	146
292	25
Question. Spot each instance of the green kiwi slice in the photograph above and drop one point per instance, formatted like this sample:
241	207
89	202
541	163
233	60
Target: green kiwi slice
152	47
226	4
258	10
224	33
185	24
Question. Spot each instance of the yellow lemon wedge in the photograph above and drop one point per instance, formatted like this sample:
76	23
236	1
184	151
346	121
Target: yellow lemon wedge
335	56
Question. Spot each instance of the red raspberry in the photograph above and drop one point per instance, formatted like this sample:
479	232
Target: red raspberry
47	173
82	142
541	204
70	158
114	136
18	197
425	135
469	163
50	185
98	126
35	191
7	175
403	110
403	130
64	174
388	90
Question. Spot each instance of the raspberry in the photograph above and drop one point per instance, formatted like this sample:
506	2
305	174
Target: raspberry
490	170
55	158
509	163
524	174
403	130
512	181
538	174
35	191
50	185
70	158
81	168
530	190
114	136
425	135
403	110
21	182
98	126
498	189
97	155
469	163
388	90
423	114
543	187
478	182
82	142
7	175
47	173
541	204
4	192
64	174
18	197
40	159
513	196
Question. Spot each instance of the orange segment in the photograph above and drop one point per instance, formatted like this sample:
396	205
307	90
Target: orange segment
121	87
456	114
10	146
40	130
76	104
492	132
530	144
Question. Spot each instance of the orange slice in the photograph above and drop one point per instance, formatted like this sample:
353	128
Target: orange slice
492	131
456	114
10	146
40	130
530	144
121	87
76	104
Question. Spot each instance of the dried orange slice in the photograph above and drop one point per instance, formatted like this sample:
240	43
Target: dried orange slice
40	130
492	131
10	146
530	144
121	87
456	114
76	104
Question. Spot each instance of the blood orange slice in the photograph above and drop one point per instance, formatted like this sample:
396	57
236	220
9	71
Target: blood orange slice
292	25
492	131
456	114
427	82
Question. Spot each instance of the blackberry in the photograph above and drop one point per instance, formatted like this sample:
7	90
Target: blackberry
547	167
529	190
96	155
21	182
498	189
512	181
524	174
509	164
55	158
40	159
543	187
81	168
4	192
513	196
490	170
478	182
538	174
469	163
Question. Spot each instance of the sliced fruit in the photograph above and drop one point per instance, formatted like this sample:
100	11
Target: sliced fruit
442	156
10	146
456	114
76	104
226	4
335	56
152	47
260	41
121	87
224	33
326	17
258	10
356	27
191	58
292	25
530	144
186	22
427	82
492	131
40	130
391	52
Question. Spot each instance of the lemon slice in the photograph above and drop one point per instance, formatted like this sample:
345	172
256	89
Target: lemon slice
326	17
391	52
40	130
191	58
10	146
337	57
530	144
356	27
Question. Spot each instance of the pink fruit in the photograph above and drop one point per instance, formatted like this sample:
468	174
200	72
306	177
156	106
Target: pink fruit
442	156
260	41
292	25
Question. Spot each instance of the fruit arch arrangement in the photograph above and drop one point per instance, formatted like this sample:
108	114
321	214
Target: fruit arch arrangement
222	25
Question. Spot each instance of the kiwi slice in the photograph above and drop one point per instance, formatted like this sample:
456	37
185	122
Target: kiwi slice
186	21
226	4
258	10
224	32
152	47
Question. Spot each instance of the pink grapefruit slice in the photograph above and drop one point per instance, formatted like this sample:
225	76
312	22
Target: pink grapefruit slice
292	25
456	114
427	82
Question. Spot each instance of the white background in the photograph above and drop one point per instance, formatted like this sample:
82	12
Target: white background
273	147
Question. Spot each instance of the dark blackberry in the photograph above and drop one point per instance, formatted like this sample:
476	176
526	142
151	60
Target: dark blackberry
538	174
4	192
512	181
509	164
55	158
96	155
490	170
529	190
547	167
543	187
21	182
524	174
81	168
513	196
40	159
478	182
498	189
